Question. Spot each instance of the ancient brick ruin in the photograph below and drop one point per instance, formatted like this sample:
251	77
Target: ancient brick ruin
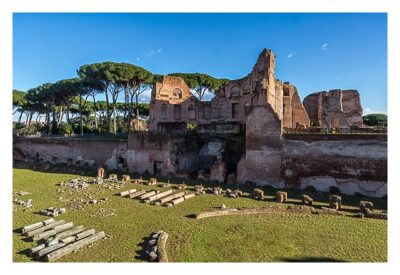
337	109
238	137
173	106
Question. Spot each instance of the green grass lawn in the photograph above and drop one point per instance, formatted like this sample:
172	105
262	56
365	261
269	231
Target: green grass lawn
253	238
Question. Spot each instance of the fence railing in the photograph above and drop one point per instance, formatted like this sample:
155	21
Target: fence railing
352	130
85	135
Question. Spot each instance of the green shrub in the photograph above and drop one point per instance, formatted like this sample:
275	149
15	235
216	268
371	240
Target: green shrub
375	120
65	128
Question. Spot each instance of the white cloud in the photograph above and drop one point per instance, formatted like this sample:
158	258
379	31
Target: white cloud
324	46
146	96
152	52
367	111
290	55
137	58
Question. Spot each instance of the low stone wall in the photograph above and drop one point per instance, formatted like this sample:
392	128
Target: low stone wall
267	210
352	166
310	137
72	151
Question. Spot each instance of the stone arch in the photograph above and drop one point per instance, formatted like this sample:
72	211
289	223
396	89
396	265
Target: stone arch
191	111
247	106
235	91
177	93
246	89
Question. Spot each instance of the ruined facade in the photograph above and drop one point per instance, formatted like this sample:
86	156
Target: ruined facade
173	106
294	113
336	109
238	137
252	110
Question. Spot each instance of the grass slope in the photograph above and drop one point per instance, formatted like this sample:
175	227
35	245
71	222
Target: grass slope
258	238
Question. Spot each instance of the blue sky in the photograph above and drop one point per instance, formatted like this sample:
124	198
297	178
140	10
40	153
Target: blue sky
315	52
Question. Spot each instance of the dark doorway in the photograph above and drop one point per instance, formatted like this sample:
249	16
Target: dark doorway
157	167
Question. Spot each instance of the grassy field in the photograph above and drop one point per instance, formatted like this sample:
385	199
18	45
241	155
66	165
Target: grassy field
259	238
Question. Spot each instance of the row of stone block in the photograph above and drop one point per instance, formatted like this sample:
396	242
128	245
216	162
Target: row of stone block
156	247
56	238
168	197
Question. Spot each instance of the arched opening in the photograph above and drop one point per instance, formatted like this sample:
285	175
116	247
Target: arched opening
246	89
247	107
177	93
191	111
235	91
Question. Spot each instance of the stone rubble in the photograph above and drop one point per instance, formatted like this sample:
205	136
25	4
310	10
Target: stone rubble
155	247
22	193
76	183
52	211
25	204
234	194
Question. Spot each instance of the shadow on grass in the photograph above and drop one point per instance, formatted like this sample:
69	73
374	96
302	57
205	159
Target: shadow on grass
80	171
311	260
25	253
191	216
23	238
141	253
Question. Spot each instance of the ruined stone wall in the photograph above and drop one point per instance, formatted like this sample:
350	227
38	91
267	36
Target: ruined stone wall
352	163
334	109
353	166
279	98
171	102
162	154
299	114
294	114
352	107
91	152
261	163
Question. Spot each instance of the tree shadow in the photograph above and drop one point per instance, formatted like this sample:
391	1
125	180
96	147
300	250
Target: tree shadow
311	260
80	171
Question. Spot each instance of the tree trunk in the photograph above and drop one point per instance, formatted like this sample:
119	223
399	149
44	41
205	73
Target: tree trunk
115	120
137	111
27	119
53	122
20	117
60	116
95	113
68	118
80	112
47	120
108	113
30	118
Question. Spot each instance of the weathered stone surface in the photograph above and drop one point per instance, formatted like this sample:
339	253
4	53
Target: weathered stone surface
258	194
262	160
366	207
335	202
173	105
294	113
63	151
281	196
307	200
335	109
352	166
258	105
